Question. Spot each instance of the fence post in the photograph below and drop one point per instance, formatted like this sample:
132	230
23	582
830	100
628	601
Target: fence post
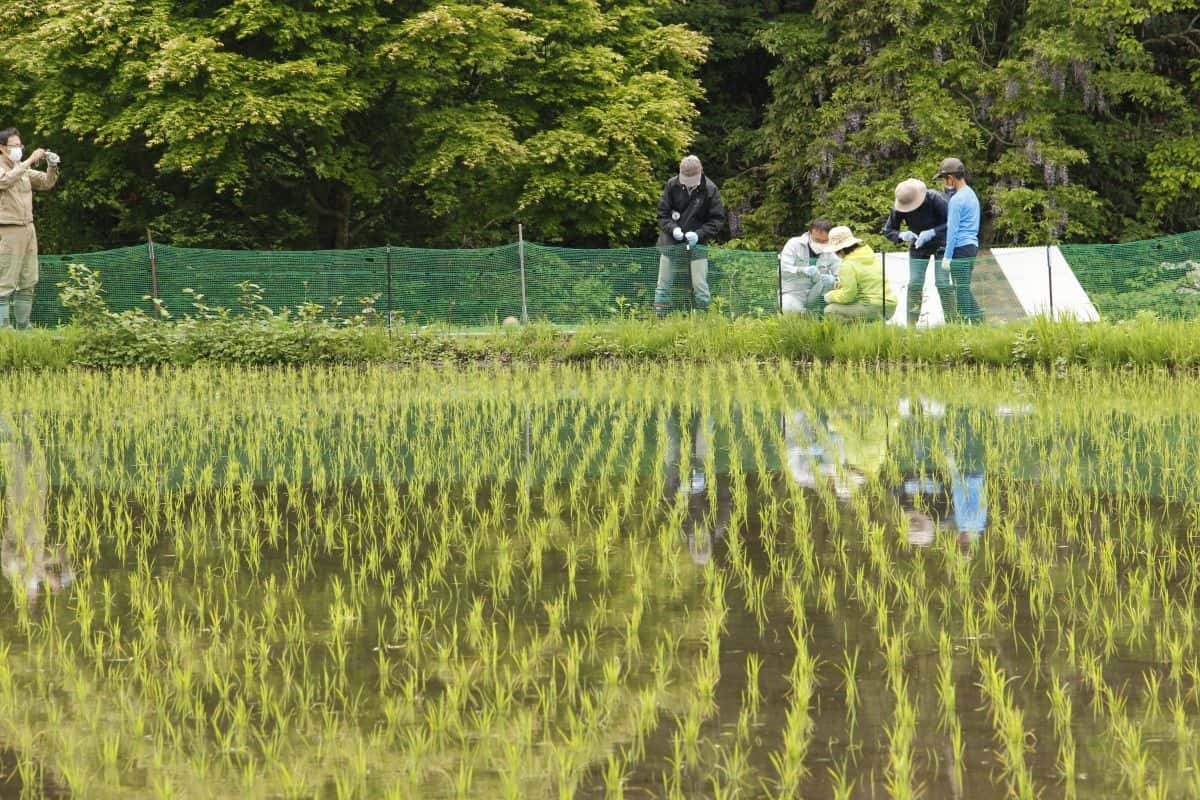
883	295
153	273
389	286
687	255
1050	278
521	261
779	264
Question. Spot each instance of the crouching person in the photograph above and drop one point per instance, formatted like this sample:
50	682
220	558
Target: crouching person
861	293
806	270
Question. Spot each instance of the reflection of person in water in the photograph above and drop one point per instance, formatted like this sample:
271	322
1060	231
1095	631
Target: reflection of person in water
26	561
942	461
844	450
702	526
813	451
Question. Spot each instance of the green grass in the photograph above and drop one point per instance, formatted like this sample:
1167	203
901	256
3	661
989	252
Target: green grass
1146	341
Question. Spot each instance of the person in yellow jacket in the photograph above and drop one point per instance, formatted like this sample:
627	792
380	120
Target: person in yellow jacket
18	239
861	293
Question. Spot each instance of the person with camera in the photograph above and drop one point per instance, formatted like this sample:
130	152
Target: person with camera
18	238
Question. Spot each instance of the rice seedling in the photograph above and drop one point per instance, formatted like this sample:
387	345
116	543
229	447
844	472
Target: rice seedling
429	582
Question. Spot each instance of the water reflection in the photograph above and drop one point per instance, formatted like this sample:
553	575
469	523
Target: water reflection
942	460
843	448
695	482
28	563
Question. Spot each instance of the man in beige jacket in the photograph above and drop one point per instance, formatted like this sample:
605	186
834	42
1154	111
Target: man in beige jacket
18	239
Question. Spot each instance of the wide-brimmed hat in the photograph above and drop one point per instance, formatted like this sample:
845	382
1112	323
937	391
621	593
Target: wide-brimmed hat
690	172
950	166
909	195
840	238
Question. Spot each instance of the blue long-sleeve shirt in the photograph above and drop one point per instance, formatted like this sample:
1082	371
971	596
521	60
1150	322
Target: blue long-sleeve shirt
962	220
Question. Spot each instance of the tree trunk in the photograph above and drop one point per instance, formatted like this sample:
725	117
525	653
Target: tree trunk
333	217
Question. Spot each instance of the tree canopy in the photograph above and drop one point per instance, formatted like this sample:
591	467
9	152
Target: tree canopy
334	123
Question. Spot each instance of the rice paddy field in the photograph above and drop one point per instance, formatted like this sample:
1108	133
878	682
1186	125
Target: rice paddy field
747	580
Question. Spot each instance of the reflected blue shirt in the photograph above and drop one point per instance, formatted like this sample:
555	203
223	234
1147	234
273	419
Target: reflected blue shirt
970	503
962	220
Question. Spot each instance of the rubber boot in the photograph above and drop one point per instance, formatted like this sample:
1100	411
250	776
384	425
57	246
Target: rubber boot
22	310
949	303
914	305
4	311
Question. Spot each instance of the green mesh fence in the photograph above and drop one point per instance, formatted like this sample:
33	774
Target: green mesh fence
569	286
125	272
1158	275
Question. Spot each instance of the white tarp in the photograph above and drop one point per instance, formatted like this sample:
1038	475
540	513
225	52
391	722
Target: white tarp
895	267
1035	281
1026	271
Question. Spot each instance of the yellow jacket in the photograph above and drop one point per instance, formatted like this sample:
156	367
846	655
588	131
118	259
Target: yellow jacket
860	280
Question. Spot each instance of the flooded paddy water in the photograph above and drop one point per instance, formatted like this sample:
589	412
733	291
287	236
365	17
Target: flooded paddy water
748	580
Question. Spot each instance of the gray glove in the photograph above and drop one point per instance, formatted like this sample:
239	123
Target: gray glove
829	261
692	238
908	236
810	271
52	159
828	280
925	238
678	233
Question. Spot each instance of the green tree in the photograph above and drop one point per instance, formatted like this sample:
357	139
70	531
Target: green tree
272	123
1076	119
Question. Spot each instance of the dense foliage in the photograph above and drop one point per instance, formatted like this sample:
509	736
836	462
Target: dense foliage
264	123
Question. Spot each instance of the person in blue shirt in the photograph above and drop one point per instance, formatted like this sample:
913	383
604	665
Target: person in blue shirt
962	236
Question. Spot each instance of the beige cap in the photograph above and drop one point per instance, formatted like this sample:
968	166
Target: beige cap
909	195
690	172
840	238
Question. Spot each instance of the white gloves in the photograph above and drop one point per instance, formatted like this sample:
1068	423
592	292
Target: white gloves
692	238
678	233
946	264
52	159
925	238
810	271
908	236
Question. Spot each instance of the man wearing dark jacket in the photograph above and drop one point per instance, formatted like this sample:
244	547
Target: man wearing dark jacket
690	214
924	211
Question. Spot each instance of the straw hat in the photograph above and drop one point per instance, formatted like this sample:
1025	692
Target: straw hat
909	195
840	238
690	172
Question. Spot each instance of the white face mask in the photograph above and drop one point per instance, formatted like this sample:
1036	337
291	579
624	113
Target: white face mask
16	153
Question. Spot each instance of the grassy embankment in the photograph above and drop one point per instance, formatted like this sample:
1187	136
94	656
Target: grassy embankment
1143	342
